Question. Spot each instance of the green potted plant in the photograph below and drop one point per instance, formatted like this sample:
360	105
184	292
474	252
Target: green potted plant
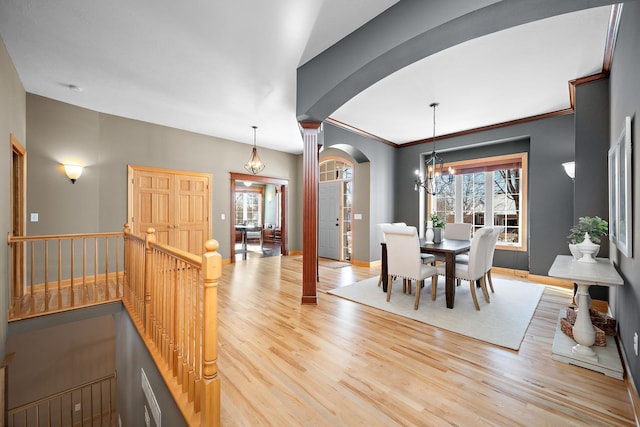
595	226
438	226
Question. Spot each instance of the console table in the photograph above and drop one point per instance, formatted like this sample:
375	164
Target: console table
602	359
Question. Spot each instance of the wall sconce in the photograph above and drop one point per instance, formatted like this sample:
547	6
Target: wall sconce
570	169
73	172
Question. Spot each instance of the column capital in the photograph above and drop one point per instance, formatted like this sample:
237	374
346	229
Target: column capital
310	125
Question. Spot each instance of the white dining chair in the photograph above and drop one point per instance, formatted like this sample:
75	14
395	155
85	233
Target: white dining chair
380	237
426	258
495	234
475	269
457	231
404	281
403	260
464	258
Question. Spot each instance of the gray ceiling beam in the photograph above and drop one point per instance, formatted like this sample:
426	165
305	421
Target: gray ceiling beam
405	33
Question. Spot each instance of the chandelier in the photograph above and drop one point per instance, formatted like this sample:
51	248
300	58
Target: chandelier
435	179
254	165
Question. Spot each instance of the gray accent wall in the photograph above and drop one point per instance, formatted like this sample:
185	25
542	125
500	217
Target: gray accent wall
60	351
97	202
131	358
381	207
12	121
591	148
550	142
625	101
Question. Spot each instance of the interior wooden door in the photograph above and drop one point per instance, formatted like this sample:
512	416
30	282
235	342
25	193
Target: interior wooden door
152	206
176	204
192	207
18	214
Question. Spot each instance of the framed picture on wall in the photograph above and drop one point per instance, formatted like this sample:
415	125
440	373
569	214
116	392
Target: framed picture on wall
613	181
621	191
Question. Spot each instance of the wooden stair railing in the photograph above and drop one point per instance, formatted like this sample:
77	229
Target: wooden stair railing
55	273
92	403
172	297
170	294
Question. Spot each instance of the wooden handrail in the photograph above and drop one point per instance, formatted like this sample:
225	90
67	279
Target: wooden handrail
58	408
174	305
170	294
54	273
11	238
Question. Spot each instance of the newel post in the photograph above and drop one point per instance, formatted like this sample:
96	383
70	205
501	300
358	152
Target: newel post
149	278
212	270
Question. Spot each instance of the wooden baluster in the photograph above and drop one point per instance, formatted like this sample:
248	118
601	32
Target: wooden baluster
190	374
117	267
178	370
31	279
162	315
73	269
46	275
159	291
187	372
106	268
197	325
95	268
212	269
149	277
171	306
179	353
84	271
169	295
154	304
59	274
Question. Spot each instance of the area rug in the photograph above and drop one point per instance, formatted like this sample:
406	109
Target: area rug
503	321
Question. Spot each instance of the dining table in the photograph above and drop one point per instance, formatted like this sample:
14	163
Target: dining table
448	248
244	229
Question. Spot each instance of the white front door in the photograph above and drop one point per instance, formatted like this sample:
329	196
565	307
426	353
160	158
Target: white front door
329	220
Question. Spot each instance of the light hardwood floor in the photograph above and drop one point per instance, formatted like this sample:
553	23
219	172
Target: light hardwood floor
344	364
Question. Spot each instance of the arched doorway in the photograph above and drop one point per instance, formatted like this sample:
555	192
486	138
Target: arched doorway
335	209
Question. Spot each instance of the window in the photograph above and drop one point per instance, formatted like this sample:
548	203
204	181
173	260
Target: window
248	207
488	192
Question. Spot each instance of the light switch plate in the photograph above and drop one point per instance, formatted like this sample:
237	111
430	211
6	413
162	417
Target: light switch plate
34	217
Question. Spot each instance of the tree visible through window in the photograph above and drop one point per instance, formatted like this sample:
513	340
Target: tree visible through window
487	192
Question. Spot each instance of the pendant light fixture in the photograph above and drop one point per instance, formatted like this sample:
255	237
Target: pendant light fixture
254	165
435	180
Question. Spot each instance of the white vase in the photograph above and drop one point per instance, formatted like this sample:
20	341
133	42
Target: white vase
429	233
573	248
588	249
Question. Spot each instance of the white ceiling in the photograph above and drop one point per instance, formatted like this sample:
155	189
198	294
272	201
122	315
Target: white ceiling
217	68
